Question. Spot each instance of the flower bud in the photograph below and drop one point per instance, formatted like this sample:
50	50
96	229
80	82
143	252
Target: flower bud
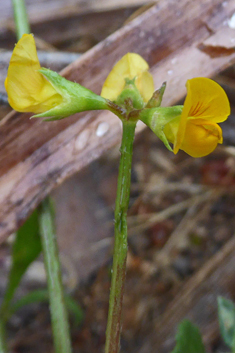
130	66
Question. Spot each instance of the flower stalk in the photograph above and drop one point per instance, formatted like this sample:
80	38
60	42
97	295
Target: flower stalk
21	18
3	347
60	325
120	243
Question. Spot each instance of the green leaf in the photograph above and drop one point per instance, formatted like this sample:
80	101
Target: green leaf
74	309
226	312
42	296
25	250
188	339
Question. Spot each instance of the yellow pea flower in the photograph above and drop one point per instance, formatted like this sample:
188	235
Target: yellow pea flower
130	66
196	130
38	90
28	90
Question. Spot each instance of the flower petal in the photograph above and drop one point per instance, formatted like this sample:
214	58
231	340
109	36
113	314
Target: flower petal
145	85
209	100
171	130
183	121
200	139
28	90
205	100
130	66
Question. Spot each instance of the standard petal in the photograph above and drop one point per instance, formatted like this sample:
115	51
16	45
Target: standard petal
183	121
201	139
129	66
112	86
209	100
27	89
144	83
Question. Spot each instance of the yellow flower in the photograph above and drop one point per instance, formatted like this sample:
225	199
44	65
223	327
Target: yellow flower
196	130
28	90
130	66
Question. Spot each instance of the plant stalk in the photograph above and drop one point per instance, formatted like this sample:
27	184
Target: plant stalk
113	330
21	18
59	318
3	346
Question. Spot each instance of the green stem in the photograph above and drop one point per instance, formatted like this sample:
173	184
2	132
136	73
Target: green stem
21	18
120	245
3	346
60	325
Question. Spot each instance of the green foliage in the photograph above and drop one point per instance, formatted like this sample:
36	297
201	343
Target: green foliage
74	309
226	312
42	296
25	250
188	339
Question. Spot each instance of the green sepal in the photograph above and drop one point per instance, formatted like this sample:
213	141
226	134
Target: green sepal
157	118
130	97
76	98
156	99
